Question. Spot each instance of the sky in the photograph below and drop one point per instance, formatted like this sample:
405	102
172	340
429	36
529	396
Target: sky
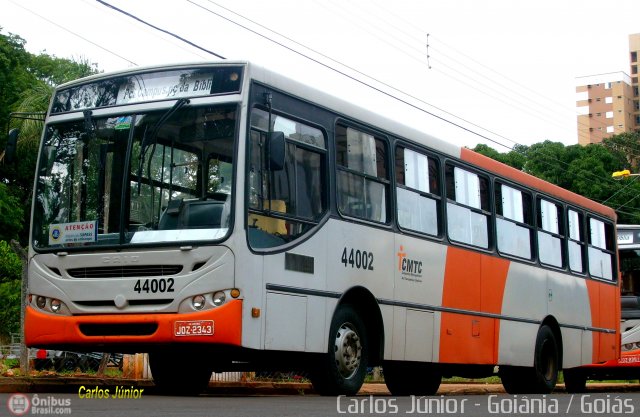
501	72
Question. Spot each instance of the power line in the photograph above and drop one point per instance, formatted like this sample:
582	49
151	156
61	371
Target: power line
474	71
174	42
359	80
378	89
159	29
73	33
343	73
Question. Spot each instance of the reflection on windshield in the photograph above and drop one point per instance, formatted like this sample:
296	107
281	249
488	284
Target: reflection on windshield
112	183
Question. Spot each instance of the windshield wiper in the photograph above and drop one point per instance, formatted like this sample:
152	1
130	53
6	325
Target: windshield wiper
150	136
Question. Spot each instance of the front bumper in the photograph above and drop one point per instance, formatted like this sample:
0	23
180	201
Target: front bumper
113	330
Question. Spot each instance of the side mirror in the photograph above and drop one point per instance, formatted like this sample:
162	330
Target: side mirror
276	151
12	143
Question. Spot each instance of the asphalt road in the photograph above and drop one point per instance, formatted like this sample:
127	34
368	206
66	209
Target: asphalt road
43	404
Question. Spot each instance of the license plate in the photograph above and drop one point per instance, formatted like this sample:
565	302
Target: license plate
193	328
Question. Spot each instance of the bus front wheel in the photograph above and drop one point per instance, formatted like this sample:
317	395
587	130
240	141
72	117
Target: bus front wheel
342	369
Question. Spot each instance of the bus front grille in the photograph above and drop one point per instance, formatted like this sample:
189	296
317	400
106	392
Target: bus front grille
117	329
125	271
111	303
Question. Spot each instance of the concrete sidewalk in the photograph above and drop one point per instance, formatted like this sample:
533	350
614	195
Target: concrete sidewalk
55	384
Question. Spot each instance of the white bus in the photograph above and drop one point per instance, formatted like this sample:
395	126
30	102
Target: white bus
221	216
628	365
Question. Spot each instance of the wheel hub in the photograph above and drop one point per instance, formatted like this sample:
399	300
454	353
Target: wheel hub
348	350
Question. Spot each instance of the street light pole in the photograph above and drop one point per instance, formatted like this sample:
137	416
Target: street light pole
618	175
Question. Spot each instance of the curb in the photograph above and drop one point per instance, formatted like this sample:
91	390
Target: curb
72	385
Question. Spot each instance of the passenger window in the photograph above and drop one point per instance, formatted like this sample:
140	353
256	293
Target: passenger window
513	221
418	190
575	241
286	203
363	179
467	207
550	233
601	249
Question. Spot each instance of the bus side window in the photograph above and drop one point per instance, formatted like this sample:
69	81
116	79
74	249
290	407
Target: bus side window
575	241
601	249
363	179
418	192
285	203
513	221
550	233
467	207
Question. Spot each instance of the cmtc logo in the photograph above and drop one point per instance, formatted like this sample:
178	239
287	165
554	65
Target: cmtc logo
407	266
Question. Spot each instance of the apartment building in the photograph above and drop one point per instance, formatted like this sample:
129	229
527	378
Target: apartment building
608	104
634	52
605	104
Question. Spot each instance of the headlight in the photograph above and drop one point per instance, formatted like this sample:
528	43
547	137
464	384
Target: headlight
50	305
198	302
219	298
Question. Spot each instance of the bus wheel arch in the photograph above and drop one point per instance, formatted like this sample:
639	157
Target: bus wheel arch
367	307
553	325
353	345
542	377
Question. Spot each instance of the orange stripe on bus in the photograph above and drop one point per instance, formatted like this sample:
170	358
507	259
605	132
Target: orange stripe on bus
44	330
530	181
473	282
605	314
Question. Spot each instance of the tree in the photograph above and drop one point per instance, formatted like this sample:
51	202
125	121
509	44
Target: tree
585	170
14	76
11	215
26	84
10	279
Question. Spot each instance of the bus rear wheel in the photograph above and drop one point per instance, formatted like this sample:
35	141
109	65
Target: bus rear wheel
342	369
411	378
542	378
181	373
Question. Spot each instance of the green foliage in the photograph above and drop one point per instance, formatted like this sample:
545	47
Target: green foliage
14	76
515	158
11	215
11	266
10	280
585	170
26	85
10	311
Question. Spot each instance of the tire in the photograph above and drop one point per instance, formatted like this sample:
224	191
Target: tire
182	373
411	379
342	369
542	378
547	361
575	382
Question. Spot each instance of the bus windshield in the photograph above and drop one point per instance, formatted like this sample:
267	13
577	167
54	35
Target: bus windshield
156	177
